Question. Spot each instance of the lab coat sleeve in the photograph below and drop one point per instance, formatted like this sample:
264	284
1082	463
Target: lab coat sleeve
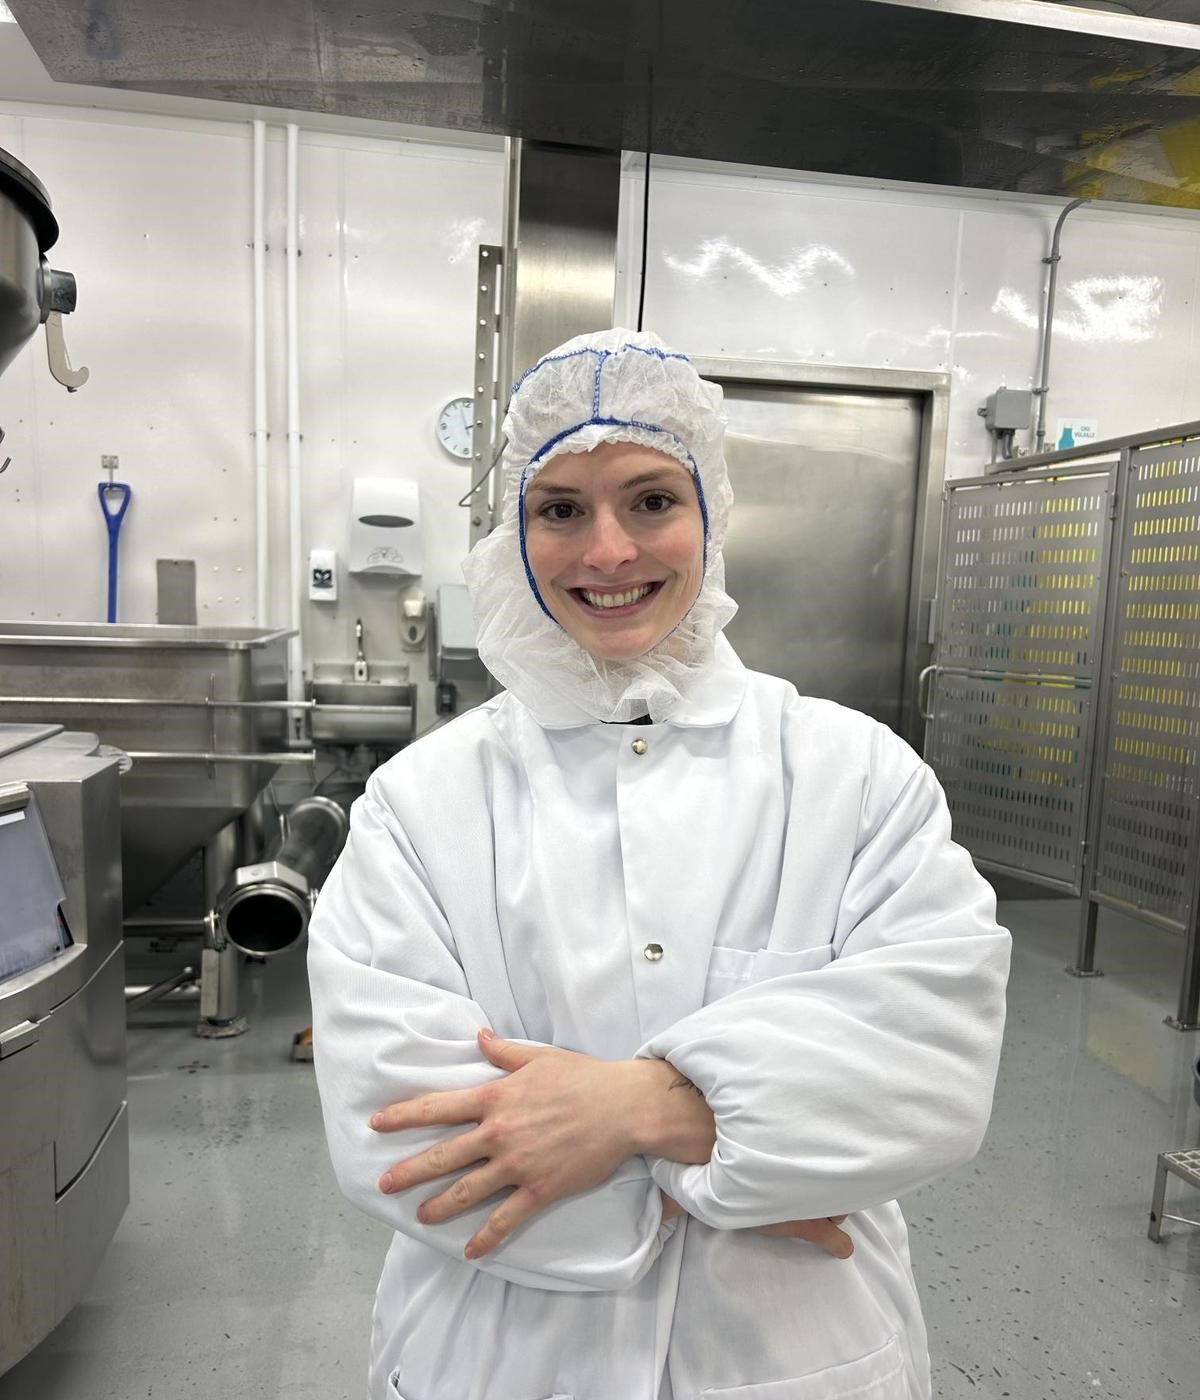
842	1087
393	1018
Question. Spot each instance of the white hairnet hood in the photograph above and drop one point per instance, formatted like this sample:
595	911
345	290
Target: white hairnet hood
610	386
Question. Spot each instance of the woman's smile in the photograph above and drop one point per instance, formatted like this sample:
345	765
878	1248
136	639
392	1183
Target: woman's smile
621	601
614	539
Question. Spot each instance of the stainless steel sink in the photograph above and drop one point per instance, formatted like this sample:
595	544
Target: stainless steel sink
347	711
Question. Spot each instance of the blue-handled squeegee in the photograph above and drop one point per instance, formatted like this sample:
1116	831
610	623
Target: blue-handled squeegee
113	515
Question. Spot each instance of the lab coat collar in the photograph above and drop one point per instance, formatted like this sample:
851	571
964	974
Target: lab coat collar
712	699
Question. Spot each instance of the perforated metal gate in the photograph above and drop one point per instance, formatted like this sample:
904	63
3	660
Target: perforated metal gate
1018	629
1145	831
1066	684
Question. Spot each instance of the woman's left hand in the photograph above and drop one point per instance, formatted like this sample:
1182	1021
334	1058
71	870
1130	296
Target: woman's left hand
557	1124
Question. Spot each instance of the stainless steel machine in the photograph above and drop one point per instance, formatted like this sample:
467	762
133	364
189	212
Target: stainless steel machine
64	1140
198	709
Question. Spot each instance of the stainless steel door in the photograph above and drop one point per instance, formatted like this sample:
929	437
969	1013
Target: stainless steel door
820	548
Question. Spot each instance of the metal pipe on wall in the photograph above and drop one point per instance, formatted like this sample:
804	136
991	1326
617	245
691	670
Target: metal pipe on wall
295	521
1054	259
262	521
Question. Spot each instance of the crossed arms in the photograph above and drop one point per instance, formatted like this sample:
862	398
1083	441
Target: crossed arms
820	1092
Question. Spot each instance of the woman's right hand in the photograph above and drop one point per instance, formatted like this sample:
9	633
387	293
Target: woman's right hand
823	1232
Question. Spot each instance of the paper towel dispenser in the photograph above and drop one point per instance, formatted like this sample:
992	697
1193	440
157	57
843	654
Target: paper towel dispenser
385	527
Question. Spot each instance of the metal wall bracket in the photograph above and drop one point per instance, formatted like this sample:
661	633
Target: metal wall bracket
483	499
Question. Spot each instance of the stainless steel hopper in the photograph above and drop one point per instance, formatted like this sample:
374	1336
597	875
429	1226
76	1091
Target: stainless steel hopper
200	709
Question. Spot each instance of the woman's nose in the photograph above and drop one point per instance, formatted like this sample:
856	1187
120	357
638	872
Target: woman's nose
608	545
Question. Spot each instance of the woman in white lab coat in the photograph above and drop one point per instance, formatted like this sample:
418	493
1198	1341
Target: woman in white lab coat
633	981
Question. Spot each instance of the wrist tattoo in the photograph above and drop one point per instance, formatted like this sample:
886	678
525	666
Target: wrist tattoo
683	1082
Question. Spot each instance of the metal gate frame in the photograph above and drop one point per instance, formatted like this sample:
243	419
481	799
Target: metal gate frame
1135	451
1106	775
1031	772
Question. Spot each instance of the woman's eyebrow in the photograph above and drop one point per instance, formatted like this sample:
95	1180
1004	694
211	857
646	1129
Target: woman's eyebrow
549	486
659	474
643	479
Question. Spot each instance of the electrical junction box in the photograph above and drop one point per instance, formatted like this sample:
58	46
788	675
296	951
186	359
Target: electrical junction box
1008	410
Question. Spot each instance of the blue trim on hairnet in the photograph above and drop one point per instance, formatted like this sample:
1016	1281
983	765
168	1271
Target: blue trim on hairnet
600	359
604	423
658	354
601	356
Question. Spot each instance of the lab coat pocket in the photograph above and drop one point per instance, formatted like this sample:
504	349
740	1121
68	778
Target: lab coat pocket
731	968
877	1376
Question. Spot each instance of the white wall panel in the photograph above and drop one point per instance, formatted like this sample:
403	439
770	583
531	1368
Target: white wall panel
391	238
154	229
812	270
770	268
156	220
1002	246
156	226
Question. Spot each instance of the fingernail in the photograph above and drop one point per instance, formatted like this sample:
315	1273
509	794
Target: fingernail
376	1120
487	1034
385	1182
472	1251
422	1214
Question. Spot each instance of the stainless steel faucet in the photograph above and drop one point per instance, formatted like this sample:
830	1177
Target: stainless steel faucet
360	658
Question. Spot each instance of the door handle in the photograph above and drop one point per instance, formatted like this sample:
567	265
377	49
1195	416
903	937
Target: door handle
19	1037
923	694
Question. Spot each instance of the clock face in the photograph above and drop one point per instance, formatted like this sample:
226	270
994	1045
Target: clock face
454	426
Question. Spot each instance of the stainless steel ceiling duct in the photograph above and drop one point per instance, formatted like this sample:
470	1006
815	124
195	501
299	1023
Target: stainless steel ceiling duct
560	255
1019	95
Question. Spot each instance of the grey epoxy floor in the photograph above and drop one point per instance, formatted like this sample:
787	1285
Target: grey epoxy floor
239	1273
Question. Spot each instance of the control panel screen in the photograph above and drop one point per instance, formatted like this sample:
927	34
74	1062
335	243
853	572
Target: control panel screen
32	927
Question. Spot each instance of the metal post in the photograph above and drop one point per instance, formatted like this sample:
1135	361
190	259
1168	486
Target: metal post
1160	1196
1085	955
219	961
1187	1017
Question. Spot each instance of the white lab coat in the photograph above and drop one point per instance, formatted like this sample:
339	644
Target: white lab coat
832	979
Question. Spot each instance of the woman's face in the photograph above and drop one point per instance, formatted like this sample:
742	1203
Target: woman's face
615	542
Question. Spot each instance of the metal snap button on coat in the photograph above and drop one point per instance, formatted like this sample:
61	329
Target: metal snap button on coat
640	746
652	952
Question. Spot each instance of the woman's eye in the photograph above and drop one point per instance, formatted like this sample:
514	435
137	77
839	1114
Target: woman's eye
558	510
657	502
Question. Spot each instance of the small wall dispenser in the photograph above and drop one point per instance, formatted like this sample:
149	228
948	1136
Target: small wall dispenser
385	527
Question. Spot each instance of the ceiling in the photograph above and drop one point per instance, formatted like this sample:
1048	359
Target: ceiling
1101	101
